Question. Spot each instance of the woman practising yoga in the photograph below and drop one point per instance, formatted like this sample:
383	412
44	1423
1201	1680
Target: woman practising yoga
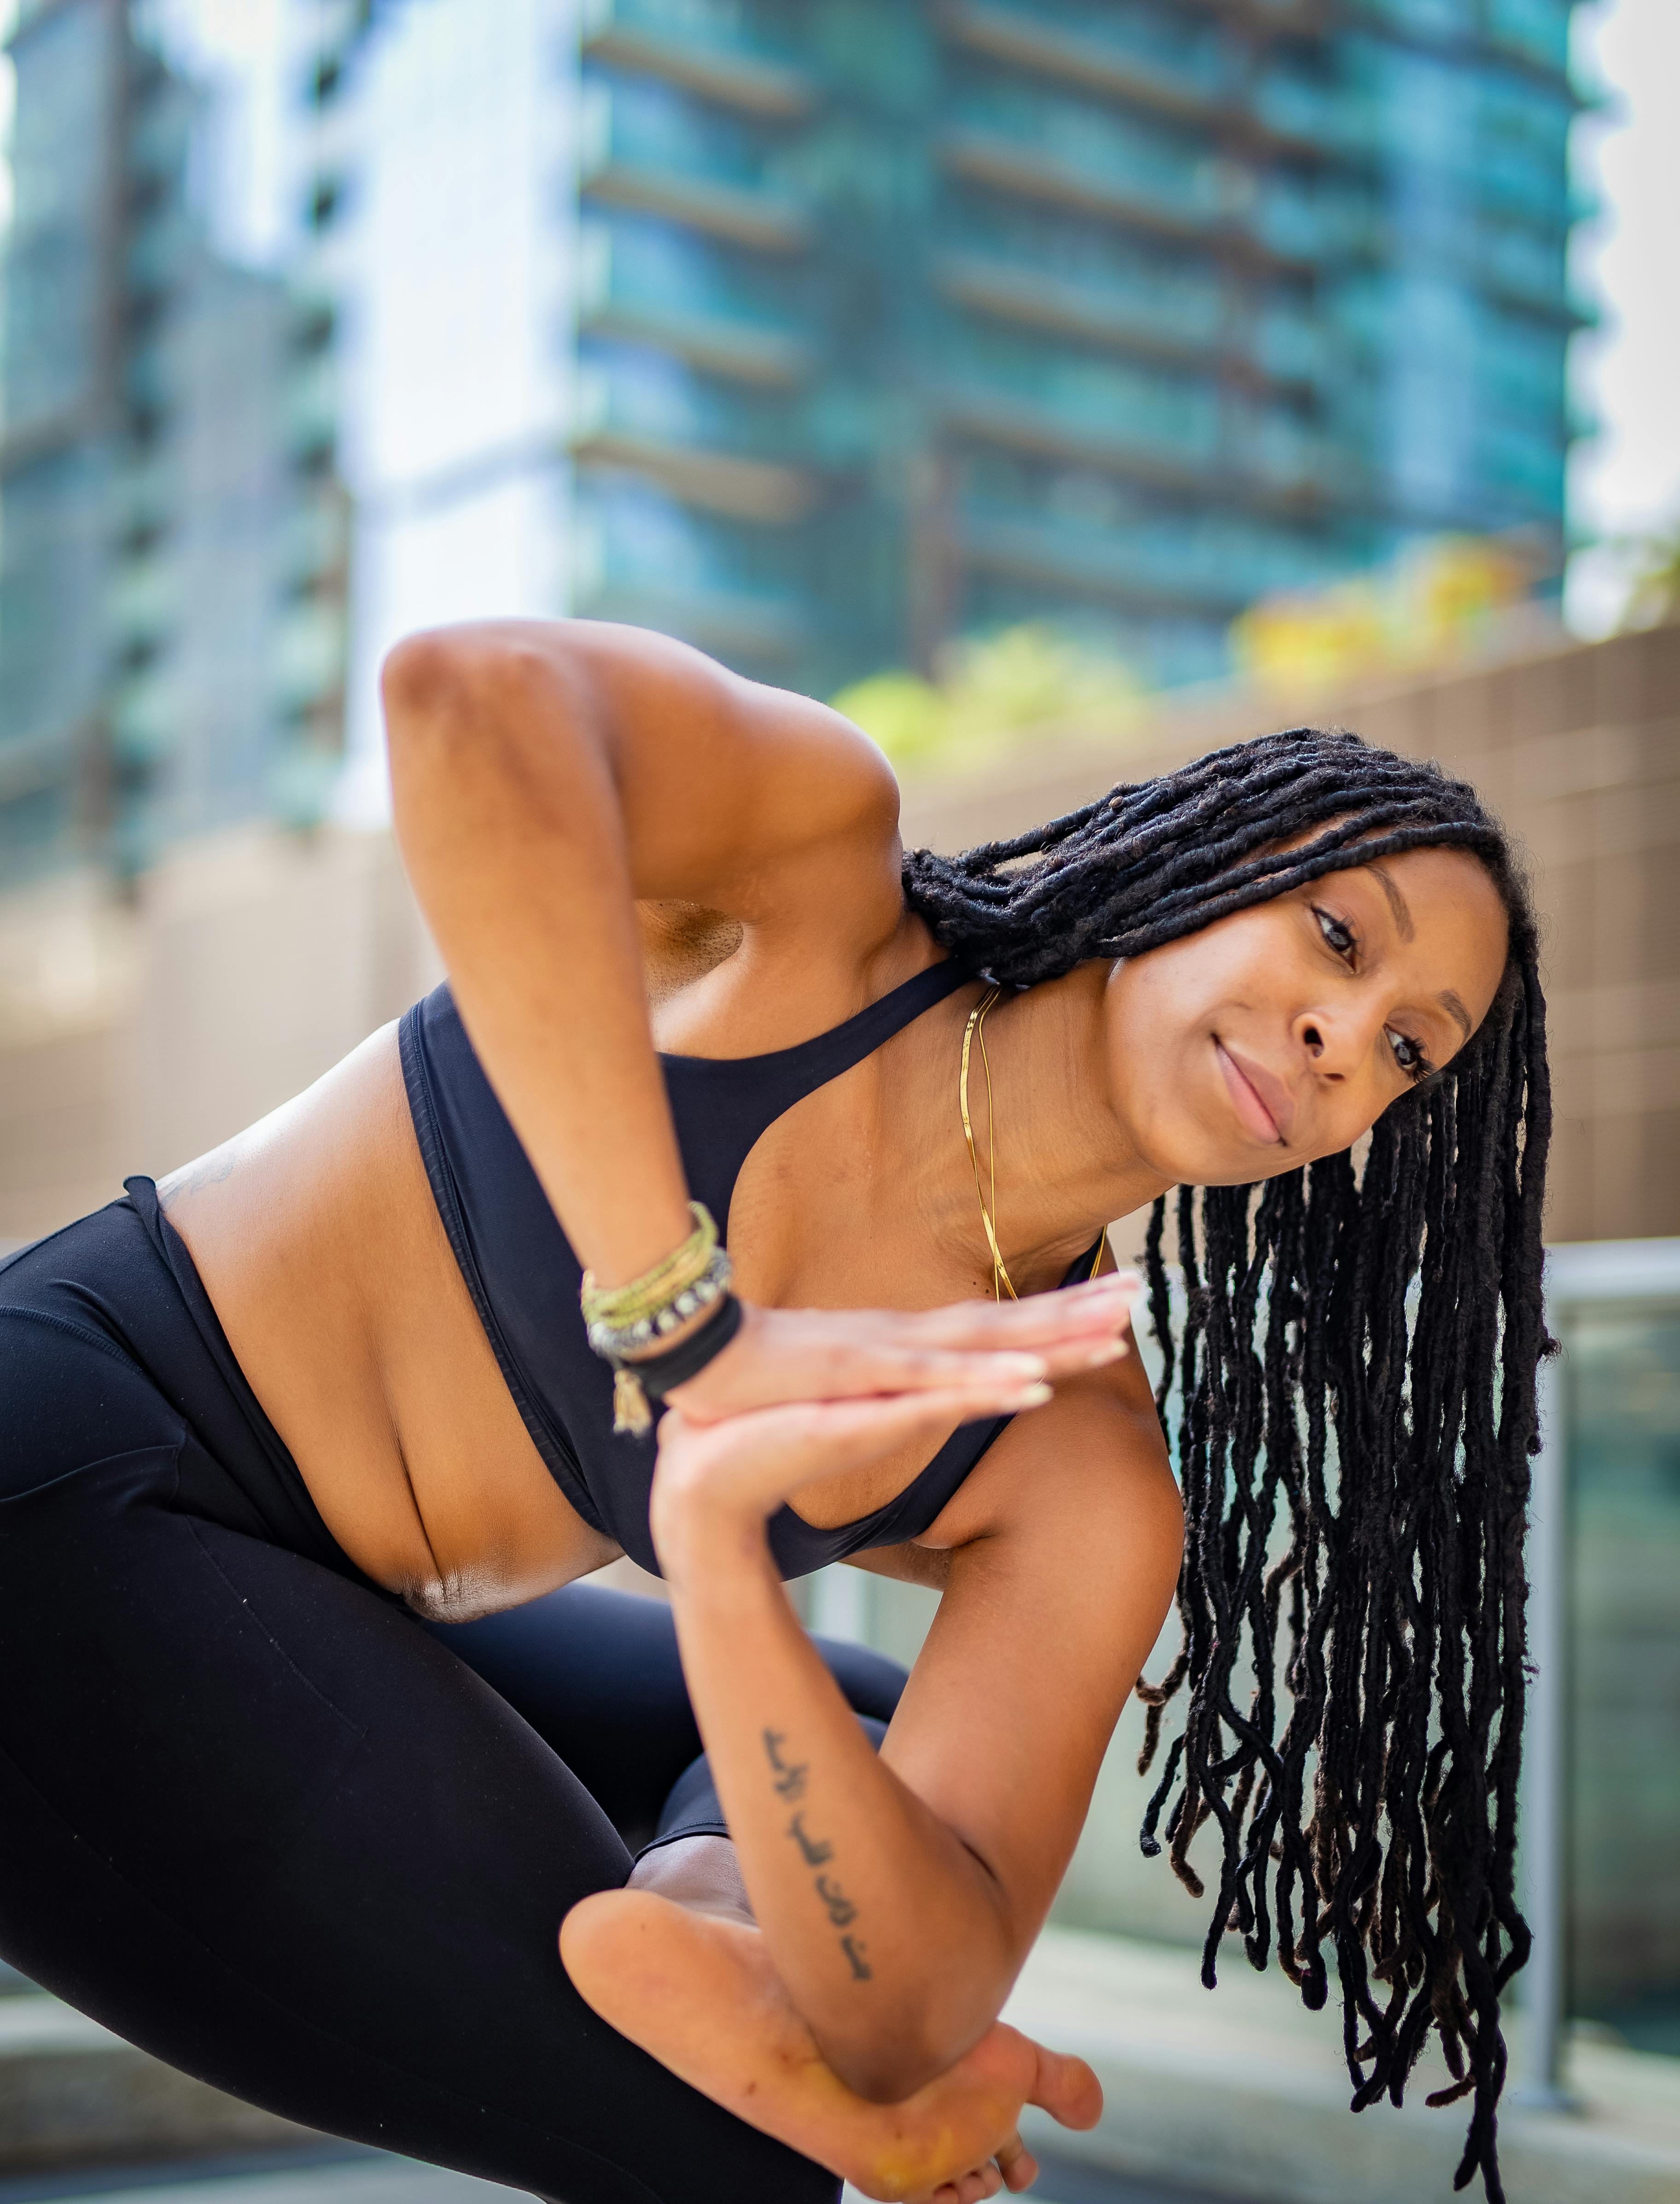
313	1744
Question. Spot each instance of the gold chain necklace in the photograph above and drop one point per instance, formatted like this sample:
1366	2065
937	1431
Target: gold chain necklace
975	1030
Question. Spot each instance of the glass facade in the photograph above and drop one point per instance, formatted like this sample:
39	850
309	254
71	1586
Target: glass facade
817	331
1116	312
172	543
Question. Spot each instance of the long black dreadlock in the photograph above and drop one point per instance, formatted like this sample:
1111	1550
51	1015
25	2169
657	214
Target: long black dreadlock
1358	1349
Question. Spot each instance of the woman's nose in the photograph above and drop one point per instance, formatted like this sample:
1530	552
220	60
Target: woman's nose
1329	1046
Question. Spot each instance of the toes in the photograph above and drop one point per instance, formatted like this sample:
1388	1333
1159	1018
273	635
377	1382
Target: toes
1017	2165
1067	2090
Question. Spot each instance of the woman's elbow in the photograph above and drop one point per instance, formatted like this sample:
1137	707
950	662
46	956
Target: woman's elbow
443	678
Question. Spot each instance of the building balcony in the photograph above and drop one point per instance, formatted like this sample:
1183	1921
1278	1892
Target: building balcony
1203	214
1519	268
688	452
1110	567
1261	464
647	151
734	622
311	652
632	289
725	65
1181	329
736	350
1008	164
758	220
1188	84
714	482
995	415
1156	326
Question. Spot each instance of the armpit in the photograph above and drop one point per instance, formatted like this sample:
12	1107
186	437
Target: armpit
681	943
908	1564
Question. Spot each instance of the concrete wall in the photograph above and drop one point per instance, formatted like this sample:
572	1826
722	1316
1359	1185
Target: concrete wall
132	1038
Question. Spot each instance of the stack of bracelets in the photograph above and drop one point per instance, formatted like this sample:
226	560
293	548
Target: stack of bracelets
626	1323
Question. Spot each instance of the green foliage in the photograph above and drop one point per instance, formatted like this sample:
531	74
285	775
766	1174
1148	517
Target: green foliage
1655	595
993	694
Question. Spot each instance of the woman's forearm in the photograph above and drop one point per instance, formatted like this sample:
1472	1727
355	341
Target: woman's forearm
889	1935
514	838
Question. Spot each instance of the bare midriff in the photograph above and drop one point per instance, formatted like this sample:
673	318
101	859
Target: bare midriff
320	1246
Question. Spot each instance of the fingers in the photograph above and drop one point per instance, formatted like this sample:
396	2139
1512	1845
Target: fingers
1094	1306
767	1454
807	1355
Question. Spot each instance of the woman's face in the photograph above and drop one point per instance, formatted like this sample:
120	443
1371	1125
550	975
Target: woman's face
1282	1033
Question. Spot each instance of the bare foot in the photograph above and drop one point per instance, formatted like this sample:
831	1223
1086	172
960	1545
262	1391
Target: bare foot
699	1993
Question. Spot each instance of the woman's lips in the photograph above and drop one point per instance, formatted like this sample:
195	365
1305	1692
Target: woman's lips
1260	1102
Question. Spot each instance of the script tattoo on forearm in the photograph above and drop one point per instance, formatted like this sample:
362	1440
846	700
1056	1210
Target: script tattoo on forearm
788	1781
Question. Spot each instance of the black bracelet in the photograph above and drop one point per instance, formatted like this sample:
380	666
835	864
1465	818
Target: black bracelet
675	1366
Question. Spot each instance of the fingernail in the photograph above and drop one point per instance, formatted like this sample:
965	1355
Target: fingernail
1032	1396
1113	1350
1025	1366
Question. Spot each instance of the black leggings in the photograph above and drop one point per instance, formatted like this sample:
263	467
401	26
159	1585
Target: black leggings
260	1821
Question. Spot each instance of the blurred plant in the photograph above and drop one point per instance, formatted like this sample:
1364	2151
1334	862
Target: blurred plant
995	693
1655	595
1434	601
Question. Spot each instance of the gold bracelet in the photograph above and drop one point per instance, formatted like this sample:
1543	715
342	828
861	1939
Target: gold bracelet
622	1319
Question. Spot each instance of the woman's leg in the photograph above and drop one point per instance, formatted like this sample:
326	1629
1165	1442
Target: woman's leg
597	1675
254	1819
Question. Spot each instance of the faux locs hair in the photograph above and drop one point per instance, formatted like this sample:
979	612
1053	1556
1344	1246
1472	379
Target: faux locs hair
1354	1378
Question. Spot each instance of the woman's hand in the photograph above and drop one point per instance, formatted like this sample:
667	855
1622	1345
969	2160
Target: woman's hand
833	1354
723	1481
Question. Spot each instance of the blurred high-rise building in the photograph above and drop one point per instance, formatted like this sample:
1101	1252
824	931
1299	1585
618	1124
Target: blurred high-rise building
820	332
172	539
899	319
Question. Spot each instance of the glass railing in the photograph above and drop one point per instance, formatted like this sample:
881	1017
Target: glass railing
1132	159
625	392
1082	271
1332	116
1219	563
1313	218
1107	403
638	553
1538	29
1605	1621
728	26
1181	54
647	267
653	126
1525	262
1526	463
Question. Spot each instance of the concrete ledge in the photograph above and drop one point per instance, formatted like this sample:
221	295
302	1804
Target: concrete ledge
1243	2093
71	2092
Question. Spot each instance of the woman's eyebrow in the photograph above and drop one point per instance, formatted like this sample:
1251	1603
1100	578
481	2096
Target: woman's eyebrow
1397	904
1453	1003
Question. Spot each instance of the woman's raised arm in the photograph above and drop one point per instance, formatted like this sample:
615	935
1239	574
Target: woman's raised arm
545	777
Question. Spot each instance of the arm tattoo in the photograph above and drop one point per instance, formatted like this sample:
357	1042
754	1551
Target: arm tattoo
788	1780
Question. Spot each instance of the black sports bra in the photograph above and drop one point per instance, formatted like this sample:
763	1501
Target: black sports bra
524	1277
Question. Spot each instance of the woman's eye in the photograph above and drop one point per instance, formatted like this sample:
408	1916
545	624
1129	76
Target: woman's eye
1340	937
1410	1055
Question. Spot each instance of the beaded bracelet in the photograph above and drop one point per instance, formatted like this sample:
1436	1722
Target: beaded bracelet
625	1323
634	1310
